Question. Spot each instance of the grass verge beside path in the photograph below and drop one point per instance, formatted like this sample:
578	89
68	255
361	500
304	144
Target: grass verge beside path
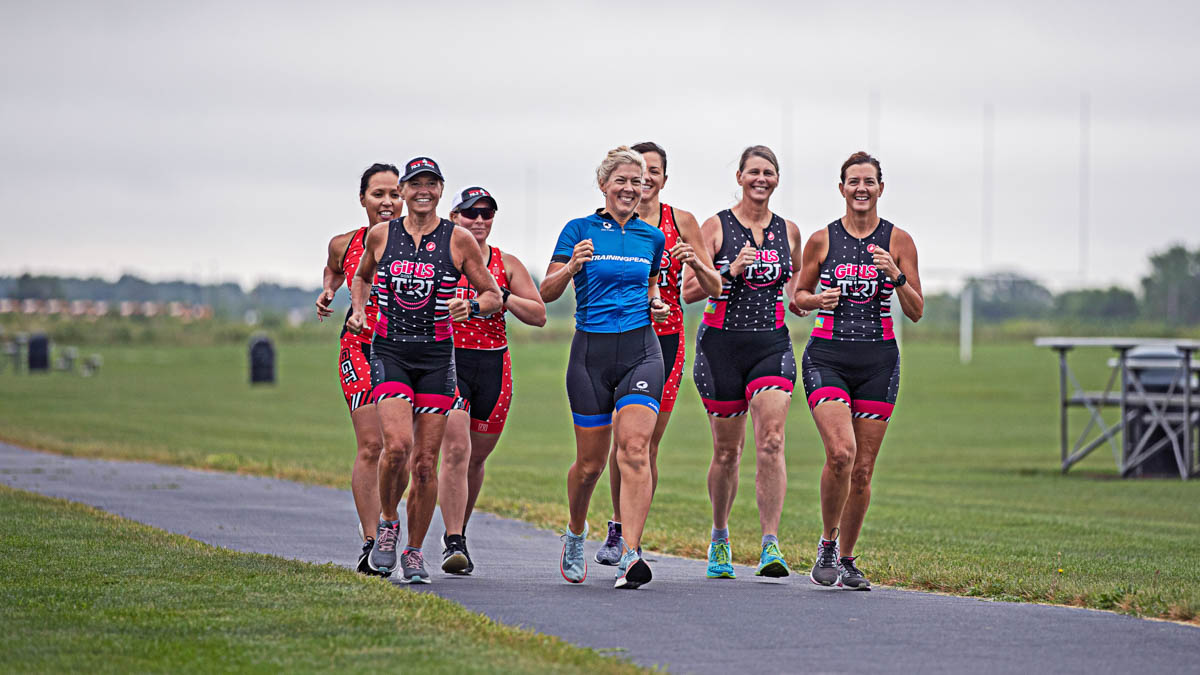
967	495
82	591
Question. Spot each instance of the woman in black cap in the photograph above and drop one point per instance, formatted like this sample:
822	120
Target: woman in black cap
412	267
484	376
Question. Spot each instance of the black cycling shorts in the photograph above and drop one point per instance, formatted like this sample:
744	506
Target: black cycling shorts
484	387
732	366
608	371
421	373
865	376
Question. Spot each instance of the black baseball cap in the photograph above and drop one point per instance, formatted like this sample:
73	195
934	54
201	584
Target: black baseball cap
419	165
468	196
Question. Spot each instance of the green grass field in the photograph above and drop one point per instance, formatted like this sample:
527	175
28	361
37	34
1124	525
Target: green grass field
968	497
123	597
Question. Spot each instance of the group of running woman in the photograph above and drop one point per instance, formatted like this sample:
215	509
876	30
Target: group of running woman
425	368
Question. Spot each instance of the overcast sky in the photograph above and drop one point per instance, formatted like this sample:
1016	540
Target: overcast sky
212	141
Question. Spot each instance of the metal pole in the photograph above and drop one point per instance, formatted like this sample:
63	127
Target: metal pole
966	323
1186	471
1062	403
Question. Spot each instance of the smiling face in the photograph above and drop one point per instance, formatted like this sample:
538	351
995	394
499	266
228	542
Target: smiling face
422	193
861	189
382	198
623	190
655	177
758	179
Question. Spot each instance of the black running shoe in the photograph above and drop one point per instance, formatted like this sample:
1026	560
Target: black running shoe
849	576
454	556
825	571
364	562
470	563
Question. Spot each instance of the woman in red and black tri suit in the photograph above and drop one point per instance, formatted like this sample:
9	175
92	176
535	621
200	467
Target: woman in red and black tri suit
852	270
413	266
379	194
485	385
684	246
744	359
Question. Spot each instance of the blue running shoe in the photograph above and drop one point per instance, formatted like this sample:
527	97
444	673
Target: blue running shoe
572	565
720	560
771	563
632	571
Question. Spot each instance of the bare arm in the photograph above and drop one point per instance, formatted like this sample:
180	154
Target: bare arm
558	275
795	242
660	311
524	301
469	261
804	296
700	260
364	278
712	237
903	259
332	277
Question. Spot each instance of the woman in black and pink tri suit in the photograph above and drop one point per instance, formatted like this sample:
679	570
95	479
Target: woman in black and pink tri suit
853	270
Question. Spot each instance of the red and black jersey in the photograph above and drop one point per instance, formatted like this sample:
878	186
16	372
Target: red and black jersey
414	284
753	301
481	332
670	280
864	309
350	260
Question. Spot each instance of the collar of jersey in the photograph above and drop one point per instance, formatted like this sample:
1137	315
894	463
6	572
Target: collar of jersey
605	215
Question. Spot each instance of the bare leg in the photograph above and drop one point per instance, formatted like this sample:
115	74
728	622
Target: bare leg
481	447
869	434
633	428
591	450
364	477
395	417
614	470
729	436
768	410
422	498
834	424
453	482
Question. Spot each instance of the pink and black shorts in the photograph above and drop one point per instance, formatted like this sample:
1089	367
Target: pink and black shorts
733	366
863	376
421	373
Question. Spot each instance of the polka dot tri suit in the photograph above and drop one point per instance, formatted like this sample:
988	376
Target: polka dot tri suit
412	353
670	332
742	347
615	356
356	348
481	358
852	356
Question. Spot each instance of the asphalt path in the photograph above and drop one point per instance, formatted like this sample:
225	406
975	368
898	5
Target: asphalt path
680	621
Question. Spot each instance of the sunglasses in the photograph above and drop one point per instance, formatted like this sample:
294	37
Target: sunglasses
478	212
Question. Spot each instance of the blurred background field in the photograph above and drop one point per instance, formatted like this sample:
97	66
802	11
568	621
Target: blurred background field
968	496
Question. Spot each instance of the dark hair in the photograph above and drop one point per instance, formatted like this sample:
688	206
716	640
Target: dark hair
651	146
758	151
861	157
371	171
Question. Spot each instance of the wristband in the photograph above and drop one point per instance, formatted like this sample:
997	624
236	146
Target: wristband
474	308
504	293
727	272
900	280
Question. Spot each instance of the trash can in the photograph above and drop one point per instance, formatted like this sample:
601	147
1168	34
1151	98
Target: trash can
39	353
1156	380
262	360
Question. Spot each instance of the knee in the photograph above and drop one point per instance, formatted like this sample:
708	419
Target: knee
770	444
635	458
395	452
860	477
727	456
370	449
840	458
423	469
589	473
456	454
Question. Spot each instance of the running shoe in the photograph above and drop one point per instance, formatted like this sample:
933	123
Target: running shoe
632	571
825	571
720	560
364	562
849	576
771	563
470	564
413	564
572	565
383	553
454	556
610	551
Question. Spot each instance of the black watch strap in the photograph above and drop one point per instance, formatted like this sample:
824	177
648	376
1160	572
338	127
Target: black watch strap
504	293
900	280
726	272
474	307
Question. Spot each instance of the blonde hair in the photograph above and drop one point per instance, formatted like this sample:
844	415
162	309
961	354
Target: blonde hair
616	157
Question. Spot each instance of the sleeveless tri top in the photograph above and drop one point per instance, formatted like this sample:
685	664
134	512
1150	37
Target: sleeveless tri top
350	259
480	332
670	284
414	285
753	301
864	311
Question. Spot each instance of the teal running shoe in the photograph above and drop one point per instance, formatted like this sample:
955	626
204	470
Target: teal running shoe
572	565
632	571
720	560
771	563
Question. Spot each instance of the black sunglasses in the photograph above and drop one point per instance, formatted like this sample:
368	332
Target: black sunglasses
478	212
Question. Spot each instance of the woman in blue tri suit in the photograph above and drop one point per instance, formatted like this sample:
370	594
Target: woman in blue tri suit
615	373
